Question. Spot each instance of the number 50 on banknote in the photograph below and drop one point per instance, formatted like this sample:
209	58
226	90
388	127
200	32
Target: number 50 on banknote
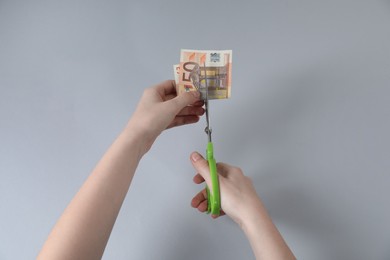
201	68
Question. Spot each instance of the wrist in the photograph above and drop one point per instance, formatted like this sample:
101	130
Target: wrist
254	217
138	138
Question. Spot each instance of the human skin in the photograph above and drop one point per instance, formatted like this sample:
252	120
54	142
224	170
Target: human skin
85	226
240	202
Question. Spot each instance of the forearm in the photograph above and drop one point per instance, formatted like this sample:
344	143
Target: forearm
83	230
264	237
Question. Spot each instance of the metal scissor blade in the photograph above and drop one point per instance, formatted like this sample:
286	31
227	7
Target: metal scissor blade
206	105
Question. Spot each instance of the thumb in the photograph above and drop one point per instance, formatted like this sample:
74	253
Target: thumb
184	99
201	166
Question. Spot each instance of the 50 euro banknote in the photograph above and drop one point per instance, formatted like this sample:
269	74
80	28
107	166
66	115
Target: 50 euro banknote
206	71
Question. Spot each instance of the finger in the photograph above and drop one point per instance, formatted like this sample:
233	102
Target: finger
183	100
198	103
221	213
198	179
191	110
201	166
202	206
166	87
169	97
199	198
183	120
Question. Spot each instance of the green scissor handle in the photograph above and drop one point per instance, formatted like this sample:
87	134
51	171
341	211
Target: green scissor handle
213	198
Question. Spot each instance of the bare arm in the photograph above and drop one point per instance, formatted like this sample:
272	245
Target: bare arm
241	203
84	228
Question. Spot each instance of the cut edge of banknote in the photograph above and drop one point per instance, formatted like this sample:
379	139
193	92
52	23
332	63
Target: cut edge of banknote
213	65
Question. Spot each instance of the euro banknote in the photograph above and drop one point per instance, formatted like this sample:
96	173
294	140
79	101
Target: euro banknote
206	71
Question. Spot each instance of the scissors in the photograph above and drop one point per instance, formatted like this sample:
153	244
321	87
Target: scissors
213	197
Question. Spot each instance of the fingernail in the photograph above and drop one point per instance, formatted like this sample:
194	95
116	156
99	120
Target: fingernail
196	156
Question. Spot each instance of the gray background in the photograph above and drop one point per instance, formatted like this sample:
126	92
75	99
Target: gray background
308	120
